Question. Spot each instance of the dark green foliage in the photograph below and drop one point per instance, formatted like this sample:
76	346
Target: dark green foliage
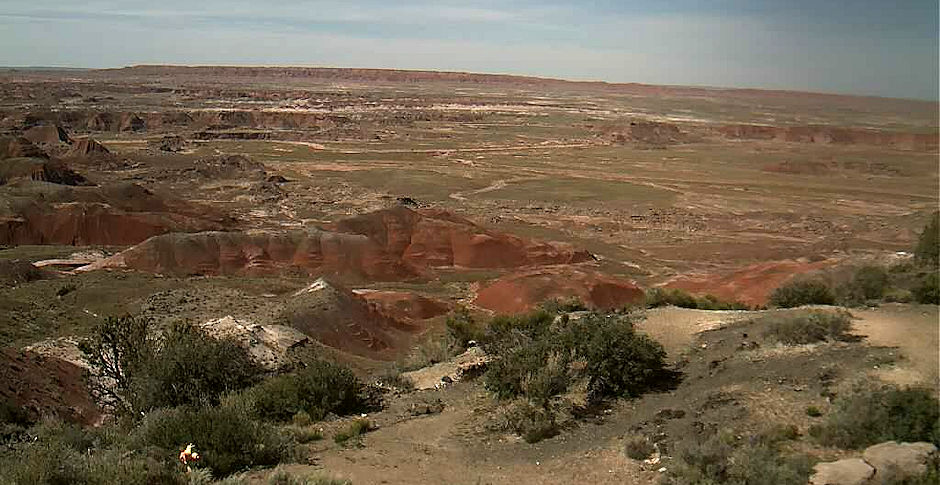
721	459
870	416
657	297
869	282
928	290
190	367
461	329
813	412
535	356
928	244
319	388
802	292
135	371
810	328
227	436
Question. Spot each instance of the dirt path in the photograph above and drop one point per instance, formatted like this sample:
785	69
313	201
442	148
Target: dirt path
915	331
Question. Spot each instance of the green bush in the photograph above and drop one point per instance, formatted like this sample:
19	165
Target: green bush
134	370
802	292
928	290
927	250
227	436
658	297
58	453
870	416
810	328
461	330
320	388
282	477
813	412
563	305
868	283
532	423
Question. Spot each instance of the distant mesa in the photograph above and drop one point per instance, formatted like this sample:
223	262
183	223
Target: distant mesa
523	291
386	245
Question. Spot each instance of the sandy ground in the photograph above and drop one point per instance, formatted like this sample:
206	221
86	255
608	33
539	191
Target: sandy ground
915	331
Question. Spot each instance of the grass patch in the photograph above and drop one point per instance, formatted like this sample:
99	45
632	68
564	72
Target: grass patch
810	328
659	297
352	434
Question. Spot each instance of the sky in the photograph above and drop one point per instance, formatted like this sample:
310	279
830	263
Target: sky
869	47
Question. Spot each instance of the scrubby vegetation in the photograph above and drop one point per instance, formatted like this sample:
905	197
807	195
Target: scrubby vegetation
802	292
352	434
537	357
723	458
134	369
872	415
809	328
657	297
316	389
927	250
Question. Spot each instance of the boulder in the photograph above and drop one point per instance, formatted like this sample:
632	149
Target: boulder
850	471
899	460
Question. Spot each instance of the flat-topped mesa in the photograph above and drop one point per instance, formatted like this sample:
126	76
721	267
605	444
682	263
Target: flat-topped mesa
386	245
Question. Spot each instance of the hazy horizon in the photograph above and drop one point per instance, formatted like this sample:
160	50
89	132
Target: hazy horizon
857	47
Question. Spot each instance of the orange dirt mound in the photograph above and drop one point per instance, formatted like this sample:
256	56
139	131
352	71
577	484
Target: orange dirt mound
751	285
343	320
387	245
45	386
521	292
406	306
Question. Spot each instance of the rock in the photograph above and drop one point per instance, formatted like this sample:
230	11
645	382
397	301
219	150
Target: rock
470	362
267	344
899	460
850	471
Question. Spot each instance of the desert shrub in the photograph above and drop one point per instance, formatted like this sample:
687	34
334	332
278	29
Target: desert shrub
802	292
810	328
16	272
927	250
868	283
720	459
539	354
639	447
898	295
563	305
430	351
870	416
657	297
928	290
813	412
227	436
393	378
532	423
461	330
132	370
320	388
354	432
304	434
58	453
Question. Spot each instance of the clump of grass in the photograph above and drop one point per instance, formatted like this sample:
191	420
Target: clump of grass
283	477
872	415
532	423
814	327
353	433
304	434
813	411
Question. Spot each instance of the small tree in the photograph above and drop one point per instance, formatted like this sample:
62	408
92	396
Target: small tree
115	351
928	244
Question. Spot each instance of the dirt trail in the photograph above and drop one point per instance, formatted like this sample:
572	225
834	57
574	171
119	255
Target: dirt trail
915	330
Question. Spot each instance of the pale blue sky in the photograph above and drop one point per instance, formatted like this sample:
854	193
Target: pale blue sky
886	48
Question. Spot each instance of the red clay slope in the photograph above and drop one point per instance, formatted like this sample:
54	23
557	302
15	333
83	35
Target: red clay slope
387	245
523	291
45	386
751	285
